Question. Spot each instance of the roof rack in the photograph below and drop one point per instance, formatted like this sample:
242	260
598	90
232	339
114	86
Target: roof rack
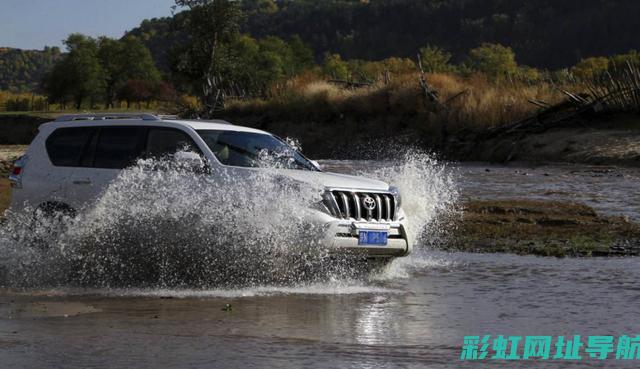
106	116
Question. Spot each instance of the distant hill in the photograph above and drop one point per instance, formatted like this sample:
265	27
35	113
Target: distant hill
22	70
547	34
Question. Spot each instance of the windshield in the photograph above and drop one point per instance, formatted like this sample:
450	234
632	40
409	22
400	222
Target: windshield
254	150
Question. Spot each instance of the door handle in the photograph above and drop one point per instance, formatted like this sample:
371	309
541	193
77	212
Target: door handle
82	182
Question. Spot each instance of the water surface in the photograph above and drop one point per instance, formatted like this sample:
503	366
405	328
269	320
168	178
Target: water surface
413	315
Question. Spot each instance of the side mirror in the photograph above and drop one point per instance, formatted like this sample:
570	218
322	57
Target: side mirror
316	164
190	160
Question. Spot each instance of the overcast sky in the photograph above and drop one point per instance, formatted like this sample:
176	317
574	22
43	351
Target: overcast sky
33	24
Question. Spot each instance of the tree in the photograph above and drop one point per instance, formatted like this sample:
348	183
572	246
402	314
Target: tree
211	26
83	75
111	53
164	91
136	90
493	60
56	86
435	59
260	6
124	60
24	70
302	54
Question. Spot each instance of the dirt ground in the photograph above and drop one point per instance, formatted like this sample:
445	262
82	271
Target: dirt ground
8	154
613	141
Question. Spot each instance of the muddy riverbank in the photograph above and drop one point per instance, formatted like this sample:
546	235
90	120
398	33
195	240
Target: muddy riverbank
608	140
544	228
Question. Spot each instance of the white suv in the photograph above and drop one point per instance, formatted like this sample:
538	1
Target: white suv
72	161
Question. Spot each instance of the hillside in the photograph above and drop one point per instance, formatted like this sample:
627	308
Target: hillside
22	70
543	33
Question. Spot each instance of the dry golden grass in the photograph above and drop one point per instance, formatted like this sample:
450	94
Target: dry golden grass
485	103
5	195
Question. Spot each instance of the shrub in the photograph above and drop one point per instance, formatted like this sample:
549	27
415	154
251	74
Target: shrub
435	59
494	60
590	67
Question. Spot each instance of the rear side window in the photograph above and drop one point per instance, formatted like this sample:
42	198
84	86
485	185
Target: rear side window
117	147
65	146
162	142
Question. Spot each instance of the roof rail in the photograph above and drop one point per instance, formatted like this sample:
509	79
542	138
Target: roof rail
217	121
106	116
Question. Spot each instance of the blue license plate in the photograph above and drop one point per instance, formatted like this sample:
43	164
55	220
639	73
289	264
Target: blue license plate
374	238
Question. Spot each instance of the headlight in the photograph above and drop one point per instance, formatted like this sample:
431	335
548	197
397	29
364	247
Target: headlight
396	193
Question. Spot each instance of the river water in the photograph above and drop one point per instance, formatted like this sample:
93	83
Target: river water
414	315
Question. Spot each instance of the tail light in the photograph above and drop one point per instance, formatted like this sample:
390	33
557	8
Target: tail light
16	173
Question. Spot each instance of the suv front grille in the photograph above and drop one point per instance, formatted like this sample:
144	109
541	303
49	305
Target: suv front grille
362	205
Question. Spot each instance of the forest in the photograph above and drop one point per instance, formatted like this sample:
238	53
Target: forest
543	34
22	70
429	70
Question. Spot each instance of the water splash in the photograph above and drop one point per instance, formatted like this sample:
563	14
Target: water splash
161	229
428	190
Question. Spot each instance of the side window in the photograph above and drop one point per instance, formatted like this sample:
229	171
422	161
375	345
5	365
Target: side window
167	141
117	147
66	145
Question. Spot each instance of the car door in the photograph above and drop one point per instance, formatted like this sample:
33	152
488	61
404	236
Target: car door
163	142
65	147
112	148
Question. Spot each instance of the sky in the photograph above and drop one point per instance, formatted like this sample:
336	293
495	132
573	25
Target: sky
34	24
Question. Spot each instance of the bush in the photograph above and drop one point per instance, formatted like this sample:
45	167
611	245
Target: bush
335	67
435	59
590	67
493	60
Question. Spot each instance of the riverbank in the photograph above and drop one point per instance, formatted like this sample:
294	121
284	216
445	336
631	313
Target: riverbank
8	154
608	139
602	139
543	228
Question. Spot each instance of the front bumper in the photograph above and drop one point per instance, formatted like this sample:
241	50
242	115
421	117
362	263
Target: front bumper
342	236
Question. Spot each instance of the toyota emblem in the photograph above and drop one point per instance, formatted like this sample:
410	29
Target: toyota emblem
369	203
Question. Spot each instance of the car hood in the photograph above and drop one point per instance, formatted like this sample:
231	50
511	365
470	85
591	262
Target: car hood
335	180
